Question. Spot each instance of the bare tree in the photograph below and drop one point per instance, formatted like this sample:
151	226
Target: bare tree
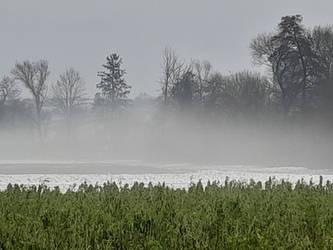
244	94
262	47
247	93
214	92
34	75
172	70
323	45
322	38
68	92
8	89
182	90
202	71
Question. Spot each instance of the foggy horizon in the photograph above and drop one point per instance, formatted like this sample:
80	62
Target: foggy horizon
201	114
180	124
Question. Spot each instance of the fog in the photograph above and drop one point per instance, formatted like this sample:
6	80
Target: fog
95	109
153	139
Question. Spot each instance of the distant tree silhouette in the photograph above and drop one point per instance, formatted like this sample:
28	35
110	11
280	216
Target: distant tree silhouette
290	55
34	75
182	91
112	85
202	73
322	38
8	89
172	69
295	45
244	93
68	92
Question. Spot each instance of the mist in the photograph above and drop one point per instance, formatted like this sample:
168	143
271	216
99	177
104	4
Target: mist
280	115
149	138
166	124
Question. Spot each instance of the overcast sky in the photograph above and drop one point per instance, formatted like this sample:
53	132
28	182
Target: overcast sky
81	33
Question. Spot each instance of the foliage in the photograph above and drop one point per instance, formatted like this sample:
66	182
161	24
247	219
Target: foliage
299	61
233	216
113	85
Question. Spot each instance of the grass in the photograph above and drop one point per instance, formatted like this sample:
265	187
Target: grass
229	216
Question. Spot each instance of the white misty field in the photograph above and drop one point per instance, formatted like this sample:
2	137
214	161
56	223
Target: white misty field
69	175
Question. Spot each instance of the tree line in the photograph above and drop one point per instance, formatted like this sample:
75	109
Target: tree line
297	83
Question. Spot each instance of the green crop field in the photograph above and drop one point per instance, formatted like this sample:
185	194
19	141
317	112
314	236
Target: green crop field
230	216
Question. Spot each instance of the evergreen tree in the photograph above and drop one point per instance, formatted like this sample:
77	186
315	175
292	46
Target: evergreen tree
112	85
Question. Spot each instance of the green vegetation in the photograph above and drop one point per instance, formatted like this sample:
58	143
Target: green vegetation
229	216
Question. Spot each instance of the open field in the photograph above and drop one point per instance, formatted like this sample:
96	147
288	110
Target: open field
175	206
69	175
